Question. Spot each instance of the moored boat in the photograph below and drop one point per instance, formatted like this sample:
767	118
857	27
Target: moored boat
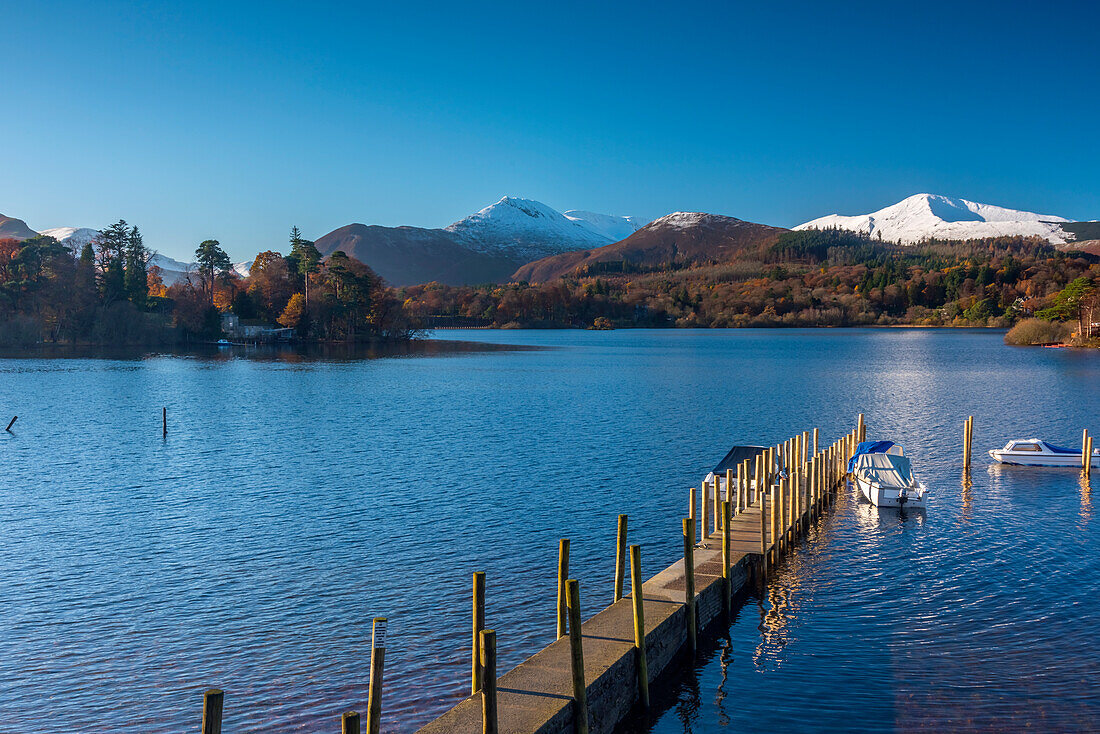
1036	452
885	476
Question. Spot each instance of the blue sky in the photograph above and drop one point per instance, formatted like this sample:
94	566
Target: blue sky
235	120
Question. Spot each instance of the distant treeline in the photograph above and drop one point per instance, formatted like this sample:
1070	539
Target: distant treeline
109	293
811	278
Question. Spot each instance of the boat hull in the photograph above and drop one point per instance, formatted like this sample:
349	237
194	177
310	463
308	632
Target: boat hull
1021	458
889	496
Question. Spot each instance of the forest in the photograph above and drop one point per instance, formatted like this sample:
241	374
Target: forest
807	278
110	293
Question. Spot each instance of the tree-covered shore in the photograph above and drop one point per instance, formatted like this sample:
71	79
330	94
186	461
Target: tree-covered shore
109	293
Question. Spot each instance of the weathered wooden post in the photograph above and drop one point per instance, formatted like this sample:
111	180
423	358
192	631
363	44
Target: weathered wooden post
639	624
164	421
692	511
774	522
730	492
705	525
479	625
11	423
349	722
968	428
563	576
377	665
689	582
728	593
861	430
620	557
213	701
716	500
804	456
576	657
1084	447
815	442
488	643
1088	458
763	534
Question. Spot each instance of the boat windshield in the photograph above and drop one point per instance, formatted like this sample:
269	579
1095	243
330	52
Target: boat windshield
1025	447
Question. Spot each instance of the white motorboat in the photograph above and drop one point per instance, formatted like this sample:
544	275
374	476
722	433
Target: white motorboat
1034	452
885	476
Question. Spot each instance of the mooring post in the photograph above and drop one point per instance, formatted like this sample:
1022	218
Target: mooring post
377	665
164	421
11	423
774	523
488	643
692	511
639	624
563	575
705	525
213	702
689	582
861	429
349	722
1088	458
479	625
576	657
731	493
620	557
1084	447
763	535
726	582
716	500
815	442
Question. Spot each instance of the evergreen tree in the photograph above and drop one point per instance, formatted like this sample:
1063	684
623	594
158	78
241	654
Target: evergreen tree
305	256
111	245
137	276
212	262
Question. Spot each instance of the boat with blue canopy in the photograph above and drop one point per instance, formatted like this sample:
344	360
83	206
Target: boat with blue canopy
1035	452
884	475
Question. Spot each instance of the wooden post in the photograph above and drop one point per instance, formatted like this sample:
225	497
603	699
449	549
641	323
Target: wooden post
488	643
774	522
639	623
1084	447
728	593
689	581
164	421
212	703
479	625
730	492
705	529
620	557
563	575
580	697
1088	458
763	533
377	664
804	448
815	442
716	500
861	430
349	722
11	423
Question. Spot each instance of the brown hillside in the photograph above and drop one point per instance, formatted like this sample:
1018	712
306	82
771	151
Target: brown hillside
679	238
410	255
11	228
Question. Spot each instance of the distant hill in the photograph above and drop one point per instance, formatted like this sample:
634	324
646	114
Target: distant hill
931	216
11	228
1083	230
485	247
677	239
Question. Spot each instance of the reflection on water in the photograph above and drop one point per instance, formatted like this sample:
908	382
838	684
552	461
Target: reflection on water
297	495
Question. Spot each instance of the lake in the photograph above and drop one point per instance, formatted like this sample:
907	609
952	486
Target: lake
297	496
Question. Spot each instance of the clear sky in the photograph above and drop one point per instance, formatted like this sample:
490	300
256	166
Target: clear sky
234	120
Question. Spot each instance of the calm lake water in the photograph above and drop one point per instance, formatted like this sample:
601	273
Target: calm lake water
296	498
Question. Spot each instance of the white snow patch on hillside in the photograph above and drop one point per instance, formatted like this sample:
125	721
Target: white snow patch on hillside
73	237
925	216
525	229
612	227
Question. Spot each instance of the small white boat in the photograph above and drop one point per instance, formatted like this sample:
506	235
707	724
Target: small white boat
885	476
1034	452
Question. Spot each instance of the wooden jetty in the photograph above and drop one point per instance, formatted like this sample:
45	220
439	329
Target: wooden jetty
600	671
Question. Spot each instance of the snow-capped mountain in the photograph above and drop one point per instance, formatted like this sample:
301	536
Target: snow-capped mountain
925	216
613	228
74	237
525	229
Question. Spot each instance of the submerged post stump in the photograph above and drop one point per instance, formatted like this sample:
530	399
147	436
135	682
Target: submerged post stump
11	423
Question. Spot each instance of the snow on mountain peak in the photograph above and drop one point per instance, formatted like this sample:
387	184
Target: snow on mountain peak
73	237
925	216
681	219
612	227
525	229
